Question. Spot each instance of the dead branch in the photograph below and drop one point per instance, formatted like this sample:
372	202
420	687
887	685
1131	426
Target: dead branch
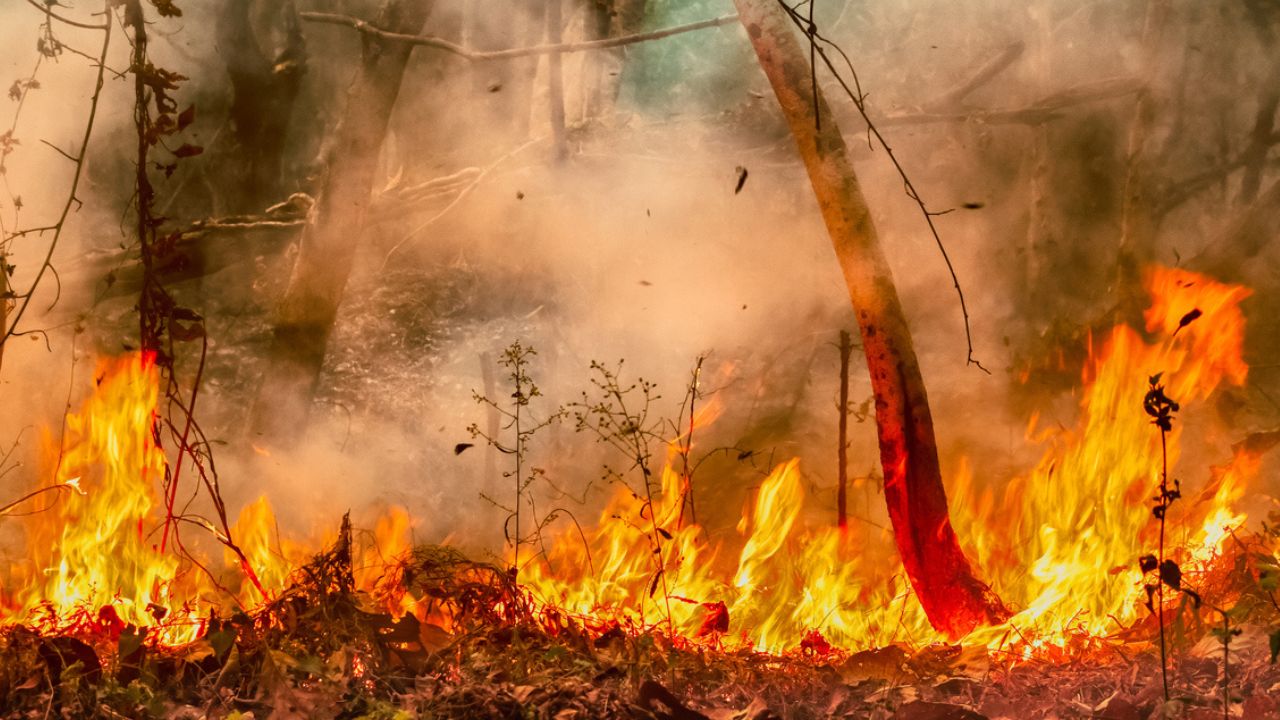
1043	110
450	47
48	12
985	74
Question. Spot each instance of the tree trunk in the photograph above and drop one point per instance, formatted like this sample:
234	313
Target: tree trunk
954	600
4	304
329	244
555	81
262	46
842	452
624	17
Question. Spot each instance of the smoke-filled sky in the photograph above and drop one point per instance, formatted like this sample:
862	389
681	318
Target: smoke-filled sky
637	247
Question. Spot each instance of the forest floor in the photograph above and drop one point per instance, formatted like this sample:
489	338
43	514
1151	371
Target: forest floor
324	650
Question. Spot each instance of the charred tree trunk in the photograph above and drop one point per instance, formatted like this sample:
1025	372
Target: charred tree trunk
616	18
954	600
329	243
842	452
262	46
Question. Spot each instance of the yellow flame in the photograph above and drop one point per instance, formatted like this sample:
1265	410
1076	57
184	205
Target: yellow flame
93	548
1059	545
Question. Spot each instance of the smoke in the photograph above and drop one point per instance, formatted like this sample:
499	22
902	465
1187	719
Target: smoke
637	248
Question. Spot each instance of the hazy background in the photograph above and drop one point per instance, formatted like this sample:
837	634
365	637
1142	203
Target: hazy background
637	247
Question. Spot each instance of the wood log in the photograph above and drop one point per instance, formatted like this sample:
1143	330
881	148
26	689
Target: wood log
328	246
953	598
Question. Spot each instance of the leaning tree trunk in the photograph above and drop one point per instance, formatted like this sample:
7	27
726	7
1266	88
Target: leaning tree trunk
329	243
954	600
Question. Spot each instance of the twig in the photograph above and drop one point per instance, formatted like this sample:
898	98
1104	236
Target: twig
71	194
69	485
47	11
859	101
454	203
442	44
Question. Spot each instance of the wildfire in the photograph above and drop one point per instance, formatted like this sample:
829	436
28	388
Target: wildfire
94	564
1058	545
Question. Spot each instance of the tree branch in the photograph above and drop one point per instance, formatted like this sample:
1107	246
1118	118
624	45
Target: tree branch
442	44
47	11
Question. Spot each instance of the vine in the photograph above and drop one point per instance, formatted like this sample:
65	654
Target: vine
164	325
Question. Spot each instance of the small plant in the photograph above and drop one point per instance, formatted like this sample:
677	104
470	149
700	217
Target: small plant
684	438
522	425
1269	576
1225	634
1161	408
619	417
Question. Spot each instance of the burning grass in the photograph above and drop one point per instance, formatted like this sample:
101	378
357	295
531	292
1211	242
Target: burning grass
610	619
470	643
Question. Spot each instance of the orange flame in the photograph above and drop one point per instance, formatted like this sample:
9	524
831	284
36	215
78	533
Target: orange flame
1059	544
91	549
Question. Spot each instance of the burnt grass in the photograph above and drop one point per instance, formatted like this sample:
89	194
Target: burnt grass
325	650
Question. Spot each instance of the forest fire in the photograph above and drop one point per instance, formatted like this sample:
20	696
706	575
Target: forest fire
640	360
1059	545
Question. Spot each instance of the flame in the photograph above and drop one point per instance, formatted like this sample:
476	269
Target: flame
1058	544
93	560
1084	513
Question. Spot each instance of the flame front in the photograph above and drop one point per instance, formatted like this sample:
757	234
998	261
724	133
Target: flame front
1059	545
91	547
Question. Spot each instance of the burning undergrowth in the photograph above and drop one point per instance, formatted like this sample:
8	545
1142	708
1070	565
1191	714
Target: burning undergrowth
118	603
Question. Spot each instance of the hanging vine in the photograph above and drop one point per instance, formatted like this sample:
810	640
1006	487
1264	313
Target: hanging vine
165	326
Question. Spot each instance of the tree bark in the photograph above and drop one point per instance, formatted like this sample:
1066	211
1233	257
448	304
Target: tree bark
4	304
622	17
953	598
328	245
261	43
555	81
